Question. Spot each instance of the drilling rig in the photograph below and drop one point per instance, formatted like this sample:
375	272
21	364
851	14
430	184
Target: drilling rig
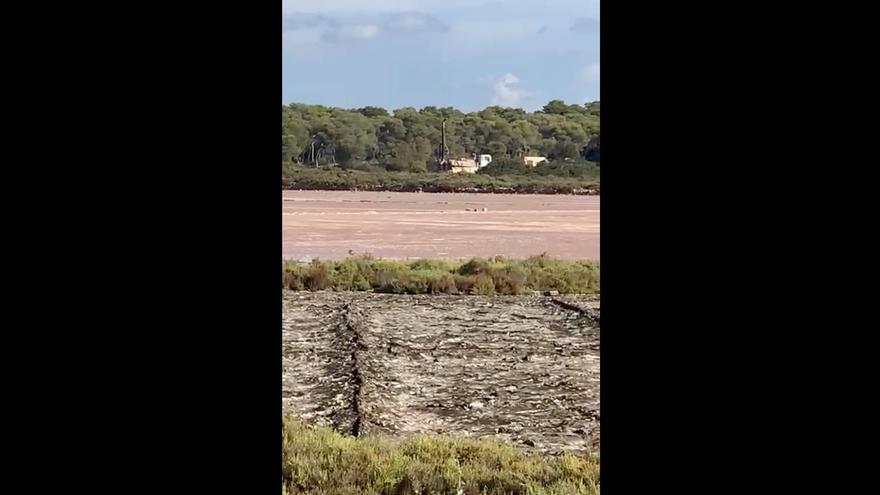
444	163
441	153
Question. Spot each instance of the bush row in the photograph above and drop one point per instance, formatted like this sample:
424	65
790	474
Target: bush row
337	179
477	276
513	166
321	461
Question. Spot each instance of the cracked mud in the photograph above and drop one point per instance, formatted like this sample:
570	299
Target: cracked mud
519	368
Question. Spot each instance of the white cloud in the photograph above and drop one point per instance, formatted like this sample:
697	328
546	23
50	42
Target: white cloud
507	92
582	7
407	22
337	6
373	6
480	34
359	28
352	32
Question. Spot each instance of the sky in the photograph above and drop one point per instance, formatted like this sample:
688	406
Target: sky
467	54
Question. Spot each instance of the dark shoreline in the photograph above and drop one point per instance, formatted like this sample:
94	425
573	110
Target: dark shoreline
335	179
443	188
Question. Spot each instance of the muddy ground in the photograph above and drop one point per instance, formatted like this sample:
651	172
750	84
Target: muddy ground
520	368
329	224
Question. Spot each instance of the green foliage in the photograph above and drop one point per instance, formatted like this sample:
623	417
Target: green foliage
581	180
575	168
431	282
556	107
321	461
404	140
567	168
510	279
545	273
473	266
433	264
430	276
505	166
293	277
317	276
352	274
484	285
464	284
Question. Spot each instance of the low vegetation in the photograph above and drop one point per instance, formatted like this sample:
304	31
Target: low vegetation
374	179
567	168
477	276
321	461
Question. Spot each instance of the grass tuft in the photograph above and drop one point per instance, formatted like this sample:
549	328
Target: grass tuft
430	276
317	460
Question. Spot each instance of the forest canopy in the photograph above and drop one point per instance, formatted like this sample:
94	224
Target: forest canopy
405	139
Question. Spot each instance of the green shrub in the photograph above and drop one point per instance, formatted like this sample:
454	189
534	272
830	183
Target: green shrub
441	283
495	275
536	181
508	279
294	277
414	283
483	286
389	276
321	461
465	283
433	264
351	274
474	266
317	276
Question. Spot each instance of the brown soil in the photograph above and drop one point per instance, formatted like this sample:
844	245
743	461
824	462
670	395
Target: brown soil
331	224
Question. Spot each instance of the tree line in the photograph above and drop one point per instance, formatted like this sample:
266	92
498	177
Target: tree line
406	139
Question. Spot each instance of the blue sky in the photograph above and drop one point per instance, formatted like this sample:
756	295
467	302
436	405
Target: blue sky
468	54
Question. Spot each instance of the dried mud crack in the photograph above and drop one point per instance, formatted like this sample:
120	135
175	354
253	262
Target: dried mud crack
518	368
591	313
354	343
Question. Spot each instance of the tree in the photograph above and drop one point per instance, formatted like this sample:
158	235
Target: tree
565	149
408	158
505	166
592	108
373	112
406	138
555	107
496	148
